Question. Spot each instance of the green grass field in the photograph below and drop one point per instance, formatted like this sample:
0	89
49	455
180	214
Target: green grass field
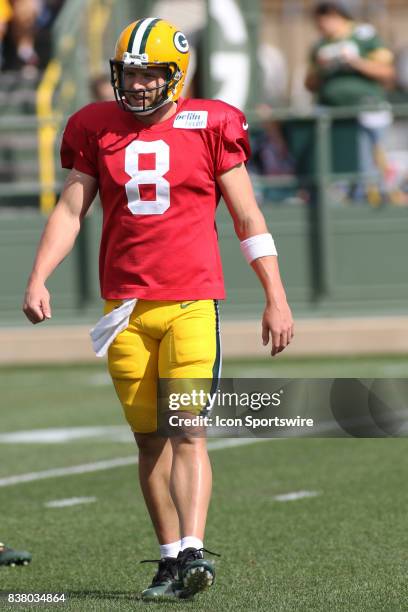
343	549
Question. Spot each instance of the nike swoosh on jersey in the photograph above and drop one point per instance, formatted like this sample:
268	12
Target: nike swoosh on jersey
245	126
188	304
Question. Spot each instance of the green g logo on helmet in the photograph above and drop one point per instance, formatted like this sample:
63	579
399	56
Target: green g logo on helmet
180	42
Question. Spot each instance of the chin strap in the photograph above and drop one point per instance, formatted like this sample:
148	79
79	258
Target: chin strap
136	111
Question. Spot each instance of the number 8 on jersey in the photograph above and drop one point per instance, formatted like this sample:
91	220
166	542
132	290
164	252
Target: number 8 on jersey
154	177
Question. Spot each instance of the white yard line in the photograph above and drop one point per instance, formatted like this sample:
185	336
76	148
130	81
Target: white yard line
109	464
284	497
71	501
59	435
98	466
119	432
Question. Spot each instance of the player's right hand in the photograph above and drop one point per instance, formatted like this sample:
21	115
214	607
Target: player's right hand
36	305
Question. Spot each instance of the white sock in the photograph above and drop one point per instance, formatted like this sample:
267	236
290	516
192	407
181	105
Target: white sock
191	542
170	550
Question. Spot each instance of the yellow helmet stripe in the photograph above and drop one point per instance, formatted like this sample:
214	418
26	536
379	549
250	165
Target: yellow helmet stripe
142	34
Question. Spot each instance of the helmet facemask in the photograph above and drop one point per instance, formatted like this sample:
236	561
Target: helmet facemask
173	76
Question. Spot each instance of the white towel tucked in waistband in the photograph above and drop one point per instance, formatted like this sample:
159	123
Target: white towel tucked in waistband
109	326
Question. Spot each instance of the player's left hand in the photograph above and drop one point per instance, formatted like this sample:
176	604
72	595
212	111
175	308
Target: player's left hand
277	324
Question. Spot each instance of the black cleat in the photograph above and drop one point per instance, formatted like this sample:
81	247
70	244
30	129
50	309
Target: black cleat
195	574
11	557
163	582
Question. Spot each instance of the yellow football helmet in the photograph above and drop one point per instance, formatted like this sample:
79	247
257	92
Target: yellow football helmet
146	43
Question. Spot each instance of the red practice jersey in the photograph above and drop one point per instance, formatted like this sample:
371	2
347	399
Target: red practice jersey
159	194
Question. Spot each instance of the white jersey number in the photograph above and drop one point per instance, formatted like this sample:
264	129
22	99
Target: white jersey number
147	177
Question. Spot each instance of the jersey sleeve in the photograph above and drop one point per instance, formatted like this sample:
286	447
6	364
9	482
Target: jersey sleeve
233	143
373	46
380	53
78	147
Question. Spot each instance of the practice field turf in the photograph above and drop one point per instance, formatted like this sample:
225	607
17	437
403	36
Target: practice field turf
339	546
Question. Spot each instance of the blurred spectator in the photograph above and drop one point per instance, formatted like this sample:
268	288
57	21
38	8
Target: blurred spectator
6	13
101	89
271	158
351	66
25	15
27	38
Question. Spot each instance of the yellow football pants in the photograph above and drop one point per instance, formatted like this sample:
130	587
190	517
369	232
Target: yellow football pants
162	340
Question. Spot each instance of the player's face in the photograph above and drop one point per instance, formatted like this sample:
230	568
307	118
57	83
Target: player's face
331	26
140	81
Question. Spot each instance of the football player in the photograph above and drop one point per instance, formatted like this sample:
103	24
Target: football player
161	163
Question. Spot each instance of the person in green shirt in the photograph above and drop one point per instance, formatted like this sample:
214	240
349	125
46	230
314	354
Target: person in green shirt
350	66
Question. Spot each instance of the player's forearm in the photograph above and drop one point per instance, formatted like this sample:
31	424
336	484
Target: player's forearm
382	72
56	242
250	223
267	270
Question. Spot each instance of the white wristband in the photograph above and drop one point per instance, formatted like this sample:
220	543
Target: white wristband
260	245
